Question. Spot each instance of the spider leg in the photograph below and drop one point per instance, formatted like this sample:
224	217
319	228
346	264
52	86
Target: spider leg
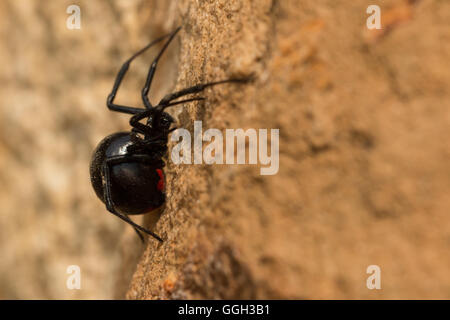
140	127
137	158
120	76
151	71
182	101
161	148
110	205
194	89
138	233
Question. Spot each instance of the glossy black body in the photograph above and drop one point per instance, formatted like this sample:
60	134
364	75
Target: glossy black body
134	185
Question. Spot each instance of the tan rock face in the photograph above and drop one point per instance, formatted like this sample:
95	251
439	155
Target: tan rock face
363	178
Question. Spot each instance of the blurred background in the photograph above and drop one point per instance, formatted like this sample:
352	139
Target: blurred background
55	82
364	157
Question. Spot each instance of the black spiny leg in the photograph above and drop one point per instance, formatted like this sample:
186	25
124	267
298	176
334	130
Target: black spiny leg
110	205
138	232
142	128
151	71
120	76
194	89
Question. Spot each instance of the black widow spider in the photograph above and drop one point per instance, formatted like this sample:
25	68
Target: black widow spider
126	167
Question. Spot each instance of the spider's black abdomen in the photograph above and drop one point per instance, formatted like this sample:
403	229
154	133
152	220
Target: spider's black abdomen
136	187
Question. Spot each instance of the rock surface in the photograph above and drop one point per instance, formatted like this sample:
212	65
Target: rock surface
364	171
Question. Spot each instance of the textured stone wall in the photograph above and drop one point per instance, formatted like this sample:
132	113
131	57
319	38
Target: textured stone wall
364	171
